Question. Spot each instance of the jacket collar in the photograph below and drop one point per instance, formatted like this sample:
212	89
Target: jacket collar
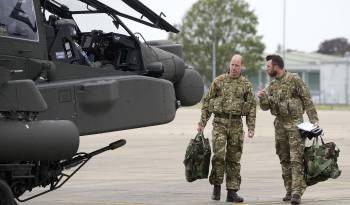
283	76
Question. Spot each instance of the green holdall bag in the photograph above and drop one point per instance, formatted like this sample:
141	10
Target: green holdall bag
321	161
197	158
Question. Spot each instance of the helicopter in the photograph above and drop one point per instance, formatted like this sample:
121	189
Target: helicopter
58	83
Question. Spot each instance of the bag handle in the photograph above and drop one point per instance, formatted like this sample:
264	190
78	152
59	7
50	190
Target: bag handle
322	140
200	137
315	141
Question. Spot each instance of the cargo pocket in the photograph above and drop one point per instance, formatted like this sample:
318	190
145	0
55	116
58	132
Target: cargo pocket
295	107
216	105
245	108
273	105
283	108
211	105
239	91
232	107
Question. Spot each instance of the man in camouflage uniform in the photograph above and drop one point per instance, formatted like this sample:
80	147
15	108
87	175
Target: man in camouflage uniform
230	97
288	98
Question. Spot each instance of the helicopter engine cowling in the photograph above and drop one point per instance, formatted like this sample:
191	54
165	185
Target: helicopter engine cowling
188	84
38	140
189	89
173	66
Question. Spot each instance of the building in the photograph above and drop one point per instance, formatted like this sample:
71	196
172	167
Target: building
327	76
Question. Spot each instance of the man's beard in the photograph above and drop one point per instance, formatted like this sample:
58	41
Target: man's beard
272	74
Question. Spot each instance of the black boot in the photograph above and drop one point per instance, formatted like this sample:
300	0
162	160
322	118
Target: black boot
232	196
296	199
287	197
216	193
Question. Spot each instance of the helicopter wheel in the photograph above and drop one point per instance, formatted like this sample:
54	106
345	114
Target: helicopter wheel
6	196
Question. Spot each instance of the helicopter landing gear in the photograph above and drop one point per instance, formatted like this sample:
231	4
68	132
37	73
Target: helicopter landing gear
6	196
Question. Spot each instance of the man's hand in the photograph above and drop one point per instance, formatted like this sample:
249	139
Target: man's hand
250	133
261	93
200	128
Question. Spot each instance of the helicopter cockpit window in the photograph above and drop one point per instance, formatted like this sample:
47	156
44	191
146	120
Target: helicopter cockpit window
18	20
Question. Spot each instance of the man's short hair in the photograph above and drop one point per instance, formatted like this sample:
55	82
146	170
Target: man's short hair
276	60
239	55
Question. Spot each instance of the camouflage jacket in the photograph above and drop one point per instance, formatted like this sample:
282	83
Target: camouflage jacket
230	96
288	96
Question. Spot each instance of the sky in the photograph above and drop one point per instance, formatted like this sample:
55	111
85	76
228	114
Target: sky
308	22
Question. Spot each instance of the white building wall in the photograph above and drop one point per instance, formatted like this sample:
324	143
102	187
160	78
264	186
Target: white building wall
333	78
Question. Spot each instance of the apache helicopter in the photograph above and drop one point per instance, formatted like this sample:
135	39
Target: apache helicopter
58	83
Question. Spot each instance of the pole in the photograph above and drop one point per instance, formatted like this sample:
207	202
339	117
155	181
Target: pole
284	30
347	83
214	59
213	27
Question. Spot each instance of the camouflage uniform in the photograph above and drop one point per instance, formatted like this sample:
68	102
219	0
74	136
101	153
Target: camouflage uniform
228	99
288	98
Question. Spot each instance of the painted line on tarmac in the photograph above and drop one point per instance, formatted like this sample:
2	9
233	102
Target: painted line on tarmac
102	203
262	203
121	203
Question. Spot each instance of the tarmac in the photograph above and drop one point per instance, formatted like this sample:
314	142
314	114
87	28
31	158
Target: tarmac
149	170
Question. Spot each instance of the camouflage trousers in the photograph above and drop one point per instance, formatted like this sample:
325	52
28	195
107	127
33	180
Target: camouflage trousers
290	150
227	150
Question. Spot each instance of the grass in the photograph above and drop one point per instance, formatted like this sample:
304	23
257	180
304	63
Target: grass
333	107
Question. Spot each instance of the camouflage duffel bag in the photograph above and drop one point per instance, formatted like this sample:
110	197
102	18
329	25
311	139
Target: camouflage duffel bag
321	162
197	158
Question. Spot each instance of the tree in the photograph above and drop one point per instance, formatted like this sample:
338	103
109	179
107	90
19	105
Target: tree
230	25
336	46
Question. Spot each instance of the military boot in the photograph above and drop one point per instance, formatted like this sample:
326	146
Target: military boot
216	193
296	199
232	196
287	197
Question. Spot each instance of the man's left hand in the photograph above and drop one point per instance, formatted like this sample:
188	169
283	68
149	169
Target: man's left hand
250	133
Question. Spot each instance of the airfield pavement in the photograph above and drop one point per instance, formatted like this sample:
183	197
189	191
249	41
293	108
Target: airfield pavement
148	170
